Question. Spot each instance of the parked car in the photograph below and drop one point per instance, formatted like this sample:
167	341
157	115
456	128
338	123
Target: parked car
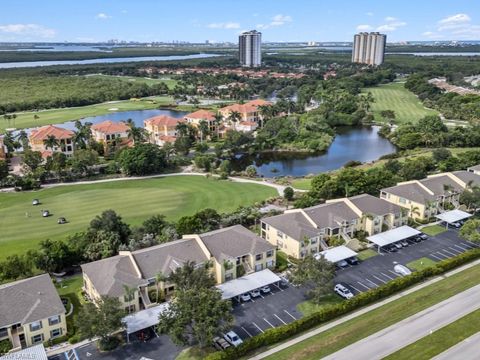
390	248
35	202
417	238
220	343
233	338
404	243
45	213
283	281
342	290
342	264
61	220
266	289
402	270
352	260
456	225
255	293
397	245
423	236
245	297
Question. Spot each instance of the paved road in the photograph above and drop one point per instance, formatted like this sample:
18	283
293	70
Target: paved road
466	350
407	331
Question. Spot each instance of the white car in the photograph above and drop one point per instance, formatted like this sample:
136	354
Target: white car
265	289
397	245
342	263
245	297
255	293
343	291
402	270
233	338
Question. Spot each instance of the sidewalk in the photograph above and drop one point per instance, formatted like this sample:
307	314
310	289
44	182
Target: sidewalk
362	311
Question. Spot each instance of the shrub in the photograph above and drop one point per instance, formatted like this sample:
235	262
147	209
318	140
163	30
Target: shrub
5	346
329	312
109	343
74	339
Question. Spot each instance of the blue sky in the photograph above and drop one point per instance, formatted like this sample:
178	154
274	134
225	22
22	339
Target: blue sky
223	20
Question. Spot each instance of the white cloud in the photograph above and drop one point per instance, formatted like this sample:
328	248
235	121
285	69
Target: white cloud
364	27
226	25
391	24
102	16
277	20
28	31
455	27
369	13
390	19
456	19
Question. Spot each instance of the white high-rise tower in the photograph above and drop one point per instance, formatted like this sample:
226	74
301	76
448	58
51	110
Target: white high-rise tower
369	48
250	48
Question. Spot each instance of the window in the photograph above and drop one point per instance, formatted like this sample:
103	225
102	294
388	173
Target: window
269	253
279	234
34	326
129	297
228	277
258	257
54	320
56	333
313	241
402	200
270	264
264	226
37	339
258	267
129	309
3	332
151	282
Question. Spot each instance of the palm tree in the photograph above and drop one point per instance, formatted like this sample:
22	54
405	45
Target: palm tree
51	142
129	295
218	119
266	113
414	210
182	129
203	127
159	278
130	123
82	135
23	139
234	117
136	134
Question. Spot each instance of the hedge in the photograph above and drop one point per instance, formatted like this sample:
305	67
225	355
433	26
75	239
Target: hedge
330	312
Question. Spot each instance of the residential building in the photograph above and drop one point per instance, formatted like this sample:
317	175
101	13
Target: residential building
376	215
420	202
64	139
3	149
249	112
162	129
198	116
299	232
369	48
229	251
474	169
250	48
108	131
31	312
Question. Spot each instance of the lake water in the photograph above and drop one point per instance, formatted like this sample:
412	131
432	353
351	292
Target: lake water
21	64
435	53
351	143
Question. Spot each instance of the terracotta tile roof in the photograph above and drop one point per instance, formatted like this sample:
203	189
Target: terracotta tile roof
248	107
167	138
110	127
202	115
42	133
163	120
259	102
46	153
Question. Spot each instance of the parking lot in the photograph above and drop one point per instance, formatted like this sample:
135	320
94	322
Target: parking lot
378	270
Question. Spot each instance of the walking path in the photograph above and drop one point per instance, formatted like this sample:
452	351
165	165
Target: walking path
413	328
467	349
357	313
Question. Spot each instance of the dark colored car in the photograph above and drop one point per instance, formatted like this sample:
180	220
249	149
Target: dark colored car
220	343
352	261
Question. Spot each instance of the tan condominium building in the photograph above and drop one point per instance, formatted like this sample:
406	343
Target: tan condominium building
109	131
31	312
369	48
249	112
228	253
162	129
3	149
39	140
199	116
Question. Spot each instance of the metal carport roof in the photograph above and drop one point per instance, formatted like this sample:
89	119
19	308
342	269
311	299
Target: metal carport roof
247	283
453	216
36	352
337	253
394	235
144	318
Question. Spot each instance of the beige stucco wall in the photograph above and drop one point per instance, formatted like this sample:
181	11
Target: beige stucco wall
409	204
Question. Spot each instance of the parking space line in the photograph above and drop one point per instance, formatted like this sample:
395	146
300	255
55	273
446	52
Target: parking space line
436	257
442	255
468	245
370	281
365	286
379	279
471	243
455	250
284	323
461	247
246	331
387	276
394	273
268	322
449	252
258	327
293	317
354	288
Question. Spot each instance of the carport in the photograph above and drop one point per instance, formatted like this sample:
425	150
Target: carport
336	254
235	288
392	236
450	217
143	319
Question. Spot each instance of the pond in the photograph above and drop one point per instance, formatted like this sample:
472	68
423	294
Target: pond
351	143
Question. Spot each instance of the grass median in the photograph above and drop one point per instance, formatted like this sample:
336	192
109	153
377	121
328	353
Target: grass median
369	323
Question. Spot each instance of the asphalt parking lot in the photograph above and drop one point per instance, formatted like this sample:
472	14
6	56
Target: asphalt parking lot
378	270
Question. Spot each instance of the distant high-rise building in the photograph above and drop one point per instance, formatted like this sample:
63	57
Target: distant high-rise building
250	48
369	48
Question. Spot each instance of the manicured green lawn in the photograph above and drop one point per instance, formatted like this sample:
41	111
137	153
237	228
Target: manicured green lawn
434	230
302	184
57	116
134	200
137	79
420	264
307	307
71	288
194	353
395	97
366	254
441	340
367	324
